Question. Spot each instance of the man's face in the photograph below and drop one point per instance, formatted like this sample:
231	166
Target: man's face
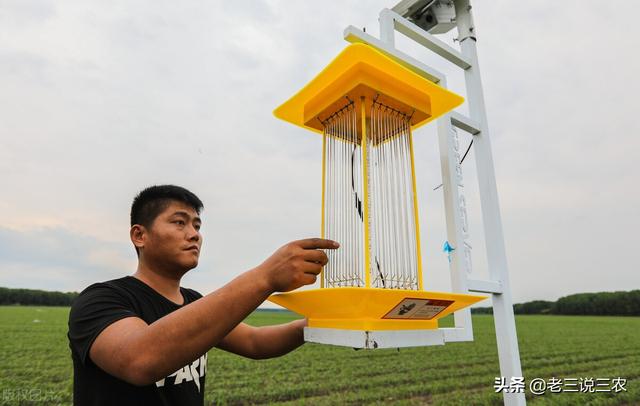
173	241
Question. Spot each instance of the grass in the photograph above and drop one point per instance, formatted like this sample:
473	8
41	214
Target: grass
36	365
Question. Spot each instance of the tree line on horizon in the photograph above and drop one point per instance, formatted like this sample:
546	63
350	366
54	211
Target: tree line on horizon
619	303
10	296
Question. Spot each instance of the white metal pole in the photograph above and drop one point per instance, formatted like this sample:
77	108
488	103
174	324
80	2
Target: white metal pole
387	29
449	166
504	320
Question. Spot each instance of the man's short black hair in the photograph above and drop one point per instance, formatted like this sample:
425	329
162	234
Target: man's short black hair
149	203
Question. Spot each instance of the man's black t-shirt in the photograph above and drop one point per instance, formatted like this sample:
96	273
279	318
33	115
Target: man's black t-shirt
104	303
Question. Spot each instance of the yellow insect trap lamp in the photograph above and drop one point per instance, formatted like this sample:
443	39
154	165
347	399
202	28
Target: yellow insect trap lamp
366	106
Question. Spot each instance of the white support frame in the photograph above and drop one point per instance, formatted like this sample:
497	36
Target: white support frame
455	212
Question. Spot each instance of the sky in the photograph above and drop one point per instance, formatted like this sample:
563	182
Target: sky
101	99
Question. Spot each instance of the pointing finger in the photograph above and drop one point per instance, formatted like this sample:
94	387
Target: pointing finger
317	243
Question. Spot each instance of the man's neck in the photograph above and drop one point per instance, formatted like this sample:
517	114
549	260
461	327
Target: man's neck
167	286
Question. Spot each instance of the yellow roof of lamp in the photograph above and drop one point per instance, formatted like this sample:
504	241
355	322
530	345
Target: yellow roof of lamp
358	73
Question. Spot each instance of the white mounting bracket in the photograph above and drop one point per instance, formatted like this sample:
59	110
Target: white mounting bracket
374	339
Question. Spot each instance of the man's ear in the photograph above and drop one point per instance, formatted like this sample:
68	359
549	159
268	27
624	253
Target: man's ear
138	235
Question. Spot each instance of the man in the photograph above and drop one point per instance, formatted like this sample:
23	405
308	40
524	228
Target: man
143	339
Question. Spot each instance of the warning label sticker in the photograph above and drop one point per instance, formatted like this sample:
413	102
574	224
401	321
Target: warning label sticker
417	309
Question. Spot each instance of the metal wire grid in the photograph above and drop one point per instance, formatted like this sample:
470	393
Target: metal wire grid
393	255
343	200
394	263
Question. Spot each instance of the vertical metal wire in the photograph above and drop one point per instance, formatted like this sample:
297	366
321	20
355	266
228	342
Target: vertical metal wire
330	203
343	192
409	205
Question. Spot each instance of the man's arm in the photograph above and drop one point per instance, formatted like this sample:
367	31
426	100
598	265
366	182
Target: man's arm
141	354
264	342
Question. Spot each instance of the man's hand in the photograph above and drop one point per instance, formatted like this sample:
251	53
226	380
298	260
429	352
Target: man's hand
296	264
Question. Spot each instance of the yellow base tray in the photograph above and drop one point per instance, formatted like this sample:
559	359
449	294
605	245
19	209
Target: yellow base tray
373	308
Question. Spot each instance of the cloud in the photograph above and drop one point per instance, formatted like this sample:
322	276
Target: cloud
58	259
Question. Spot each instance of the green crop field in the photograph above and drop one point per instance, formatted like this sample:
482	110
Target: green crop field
36	366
